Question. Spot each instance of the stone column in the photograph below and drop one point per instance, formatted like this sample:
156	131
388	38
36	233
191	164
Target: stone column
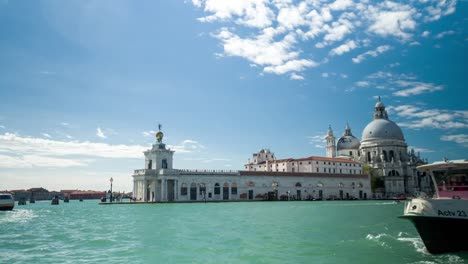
144	190
163	193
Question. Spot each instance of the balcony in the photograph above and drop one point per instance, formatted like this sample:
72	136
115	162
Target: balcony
144	172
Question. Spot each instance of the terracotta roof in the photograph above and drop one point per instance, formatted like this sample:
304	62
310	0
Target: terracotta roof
87	192
314	158
302	174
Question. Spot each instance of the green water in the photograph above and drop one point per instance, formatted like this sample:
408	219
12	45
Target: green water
248	232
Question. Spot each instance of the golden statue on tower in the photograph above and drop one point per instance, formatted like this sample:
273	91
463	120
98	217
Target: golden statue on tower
159	134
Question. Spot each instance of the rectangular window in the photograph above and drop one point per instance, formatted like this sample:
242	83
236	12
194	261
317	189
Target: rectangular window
233	190
164	164
317	170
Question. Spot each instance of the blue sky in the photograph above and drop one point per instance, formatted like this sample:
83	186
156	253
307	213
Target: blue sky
85	83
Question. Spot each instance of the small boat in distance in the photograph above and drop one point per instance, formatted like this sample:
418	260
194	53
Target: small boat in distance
442	221
55	201
6	202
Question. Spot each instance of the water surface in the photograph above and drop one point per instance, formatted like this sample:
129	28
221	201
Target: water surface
246	232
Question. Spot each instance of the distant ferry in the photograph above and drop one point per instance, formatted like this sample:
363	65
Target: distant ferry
442	221
6	202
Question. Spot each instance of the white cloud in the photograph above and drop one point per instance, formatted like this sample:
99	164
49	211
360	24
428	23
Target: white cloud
458	138
295	76
341	4
149	133
415	88
99	133
316	140
270	33
46	135
417	117
444	33
425	34
29	152
292	65
325	75
421	150
393	65
396	21
344	48
373	53
2	127
65	124
197	3
362	84
252	13
187	146
439	8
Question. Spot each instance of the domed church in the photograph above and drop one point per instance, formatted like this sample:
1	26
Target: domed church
383	148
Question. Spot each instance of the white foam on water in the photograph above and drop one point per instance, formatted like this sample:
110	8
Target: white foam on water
417	243
377	238
18	216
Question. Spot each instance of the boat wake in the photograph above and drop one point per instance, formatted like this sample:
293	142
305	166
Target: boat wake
388	241
17	216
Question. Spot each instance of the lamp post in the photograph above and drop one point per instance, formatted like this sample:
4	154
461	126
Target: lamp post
111	180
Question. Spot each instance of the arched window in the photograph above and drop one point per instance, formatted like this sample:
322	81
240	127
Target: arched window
250	184
183	189
234	188
217	190
150	164
393	173
202	188
384	155
341	185
360	185
298	184
320	184
391	155
368	157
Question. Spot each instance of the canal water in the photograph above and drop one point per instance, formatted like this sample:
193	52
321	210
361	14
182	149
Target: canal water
245	232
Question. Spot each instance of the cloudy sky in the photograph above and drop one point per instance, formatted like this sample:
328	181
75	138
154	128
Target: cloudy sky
84	84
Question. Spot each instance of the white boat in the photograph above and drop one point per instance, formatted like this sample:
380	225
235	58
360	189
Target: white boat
6	202
442	221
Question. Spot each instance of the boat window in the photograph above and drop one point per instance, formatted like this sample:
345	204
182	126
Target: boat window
5	197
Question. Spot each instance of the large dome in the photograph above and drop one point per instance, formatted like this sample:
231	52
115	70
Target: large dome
382	129
348	142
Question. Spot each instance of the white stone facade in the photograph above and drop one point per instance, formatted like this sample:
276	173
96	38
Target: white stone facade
383	148
309	178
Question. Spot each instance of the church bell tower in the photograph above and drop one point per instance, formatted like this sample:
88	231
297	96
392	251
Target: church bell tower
331	144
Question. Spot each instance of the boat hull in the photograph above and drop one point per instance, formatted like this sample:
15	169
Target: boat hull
441	234
7	207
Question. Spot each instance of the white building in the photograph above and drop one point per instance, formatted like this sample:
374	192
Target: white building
299	179
383	148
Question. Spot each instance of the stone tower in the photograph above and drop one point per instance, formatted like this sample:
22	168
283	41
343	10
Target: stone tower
331	146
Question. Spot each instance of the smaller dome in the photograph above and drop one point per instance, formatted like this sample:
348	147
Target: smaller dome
348	142
379	104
